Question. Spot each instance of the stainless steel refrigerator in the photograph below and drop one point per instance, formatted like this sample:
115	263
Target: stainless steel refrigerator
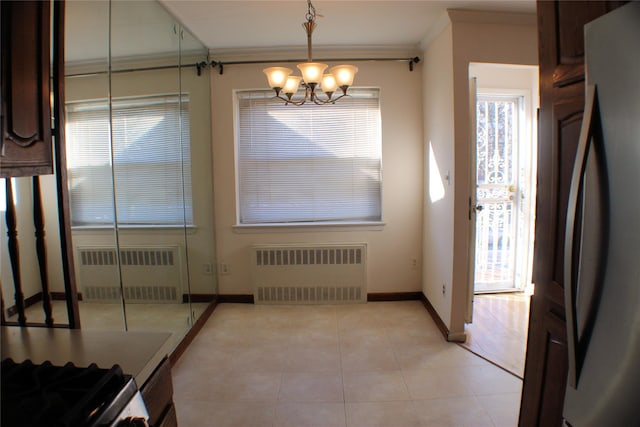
602	248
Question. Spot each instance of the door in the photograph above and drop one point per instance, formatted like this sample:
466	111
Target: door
502	166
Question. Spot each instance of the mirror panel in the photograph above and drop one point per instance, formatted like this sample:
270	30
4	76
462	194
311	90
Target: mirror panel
89	160
131	80
150	191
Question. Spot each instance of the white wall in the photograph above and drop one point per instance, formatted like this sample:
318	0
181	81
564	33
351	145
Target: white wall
392	248
438	197
474	37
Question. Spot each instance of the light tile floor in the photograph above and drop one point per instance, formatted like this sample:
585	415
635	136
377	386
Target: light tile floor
375	364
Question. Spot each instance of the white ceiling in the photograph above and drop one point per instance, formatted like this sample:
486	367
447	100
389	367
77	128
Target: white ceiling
143	28
246	25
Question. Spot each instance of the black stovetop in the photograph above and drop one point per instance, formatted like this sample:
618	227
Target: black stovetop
45	395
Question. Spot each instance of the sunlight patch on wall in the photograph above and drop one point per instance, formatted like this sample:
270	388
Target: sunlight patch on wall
436	186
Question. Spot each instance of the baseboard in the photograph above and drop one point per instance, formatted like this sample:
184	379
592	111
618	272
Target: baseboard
198	297
28	302
191	334
236	298
394	296
440	324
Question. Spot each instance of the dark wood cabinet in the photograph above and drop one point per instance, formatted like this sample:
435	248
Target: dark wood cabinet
25	148
562	85
157	393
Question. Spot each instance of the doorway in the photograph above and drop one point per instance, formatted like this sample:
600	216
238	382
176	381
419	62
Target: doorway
503	105
503	159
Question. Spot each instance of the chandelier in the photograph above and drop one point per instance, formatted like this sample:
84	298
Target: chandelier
313	78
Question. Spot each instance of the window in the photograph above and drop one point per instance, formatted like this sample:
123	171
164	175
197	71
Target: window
310	163
150	159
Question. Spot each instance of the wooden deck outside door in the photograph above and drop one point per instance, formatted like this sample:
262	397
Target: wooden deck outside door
562	84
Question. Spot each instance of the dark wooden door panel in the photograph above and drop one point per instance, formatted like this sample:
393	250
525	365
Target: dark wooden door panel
556	362
546	365
26	107
571	20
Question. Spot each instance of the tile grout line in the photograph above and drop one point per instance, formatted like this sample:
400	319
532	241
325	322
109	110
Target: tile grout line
344	391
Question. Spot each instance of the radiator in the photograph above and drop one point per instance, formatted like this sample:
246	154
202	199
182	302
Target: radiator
149	274
309	274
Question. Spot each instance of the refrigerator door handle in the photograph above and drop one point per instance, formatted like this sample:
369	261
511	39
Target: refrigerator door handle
570	277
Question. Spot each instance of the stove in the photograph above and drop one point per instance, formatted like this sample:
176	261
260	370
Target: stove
45	395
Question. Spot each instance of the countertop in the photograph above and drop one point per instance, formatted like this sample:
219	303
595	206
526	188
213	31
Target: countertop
137	353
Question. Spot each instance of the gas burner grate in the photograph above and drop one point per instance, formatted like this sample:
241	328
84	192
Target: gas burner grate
58	396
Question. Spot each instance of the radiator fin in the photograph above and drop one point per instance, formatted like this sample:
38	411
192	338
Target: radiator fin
127	257
325	256
318	294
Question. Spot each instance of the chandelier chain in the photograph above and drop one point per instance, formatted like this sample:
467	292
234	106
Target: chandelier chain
311	12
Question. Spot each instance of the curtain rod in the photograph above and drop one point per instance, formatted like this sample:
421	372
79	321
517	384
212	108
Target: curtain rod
199	66
220	64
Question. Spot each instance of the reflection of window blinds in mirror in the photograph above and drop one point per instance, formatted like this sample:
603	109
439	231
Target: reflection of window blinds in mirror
147	151
309	163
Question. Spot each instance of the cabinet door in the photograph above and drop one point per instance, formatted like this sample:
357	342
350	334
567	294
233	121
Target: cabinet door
157	394
561	54
26	106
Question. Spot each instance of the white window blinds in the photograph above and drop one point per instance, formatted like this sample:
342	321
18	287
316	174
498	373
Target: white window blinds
150	160
310	163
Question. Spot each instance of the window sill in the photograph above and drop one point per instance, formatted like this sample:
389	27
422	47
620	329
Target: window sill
302	227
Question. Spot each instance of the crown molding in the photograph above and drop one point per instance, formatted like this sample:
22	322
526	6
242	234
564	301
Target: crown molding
484	17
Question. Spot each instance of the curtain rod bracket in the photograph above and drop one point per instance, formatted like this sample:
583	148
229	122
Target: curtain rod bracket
200	66
412	61
217	64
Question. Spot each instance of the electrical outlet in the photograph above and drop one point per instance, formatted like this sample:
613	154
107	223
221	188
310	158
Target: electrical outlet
444	289
224	269
208	268
414	263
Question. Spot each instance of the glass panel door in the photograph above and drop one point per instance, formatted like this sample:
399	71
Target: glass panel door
496	192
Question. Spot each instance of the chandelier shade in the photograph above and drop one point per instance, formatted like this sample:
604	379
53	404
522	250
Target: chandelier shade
292	84
312	71
277	76
344	74
313	77
329	83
